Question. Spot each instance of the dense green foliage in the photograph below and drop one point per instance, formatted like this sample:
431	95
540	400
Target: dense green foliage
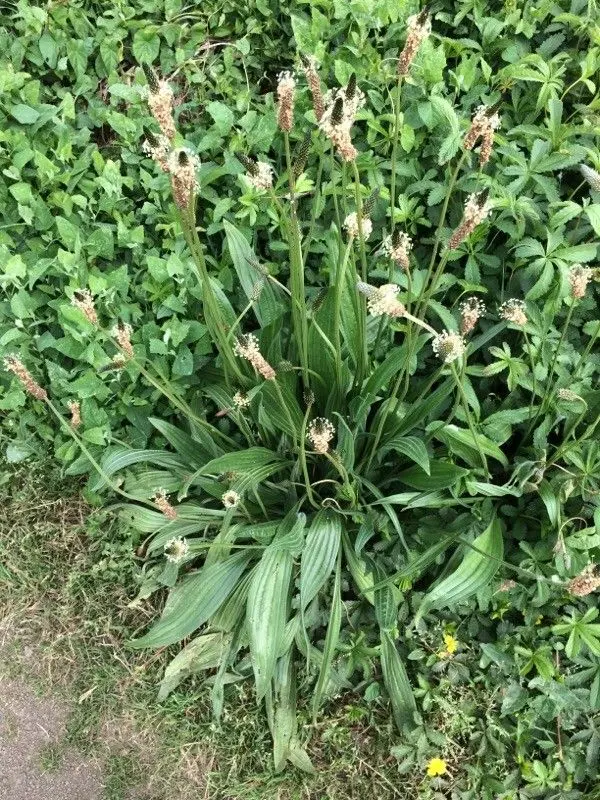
338	569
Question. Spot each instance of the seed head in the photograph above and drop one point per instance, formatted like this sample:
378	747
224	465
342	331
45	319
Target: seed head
397	247
309	65
338	118
477	208
352	226
122	333
485	121
83	300
160	103
418	29
162	503
585	583
286	88
591	176
507	585
75	410
471	310
448	346
568	395
261	176
31	386
382	301
157	147
247	347
176	549
183	164
320	432
579	277
513	310
230	499
240	400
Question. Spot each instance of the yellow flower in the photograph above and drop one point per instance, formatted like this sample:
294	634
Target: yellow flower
451	643
437	766
451	646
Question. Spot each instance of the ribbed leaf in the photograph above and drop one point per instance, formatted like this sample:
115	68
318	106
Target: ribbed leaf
442	475
397	684
122	457
193	453
456	438
422	409
194	600
268	603
411	447
275	413
360	571
319	554
204	652
475	571
331	640
267	307
386	607
392	364
250	466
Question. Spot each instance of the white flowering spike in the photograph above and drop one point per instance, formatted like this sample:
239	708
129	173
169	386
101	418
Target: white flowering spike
591	176
513	310
176	550
320	432
471	310
351	225
230	499
448	346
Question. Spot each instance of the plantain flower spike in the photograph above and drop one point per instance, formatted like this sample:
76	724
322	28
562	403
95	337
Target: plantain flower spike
418	29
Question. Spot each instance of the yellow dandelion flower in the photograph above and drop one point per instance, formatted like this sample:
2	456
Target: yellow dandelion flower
451	643
437	766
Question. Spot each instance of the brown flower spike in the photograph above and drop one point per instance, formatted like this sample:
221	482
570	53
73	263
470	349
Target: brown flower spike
418	29
183	164
247	347
477	208
75	410
163	504
160	103
471	310
16	366
83	300
309	66
585	583
286	89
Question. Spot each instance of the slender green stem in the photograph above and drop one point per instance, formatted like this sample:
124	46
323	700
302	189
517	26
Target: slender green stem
212	312
286	412
469	417
163	388
299	318
338	219
362	301
585	354
438	233
80	443
304	465
396	136
533	377
340	280
551	383
315	206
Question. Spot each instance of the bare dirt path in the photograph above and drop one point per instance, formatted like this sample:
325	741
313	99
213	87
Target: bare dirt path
31	733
